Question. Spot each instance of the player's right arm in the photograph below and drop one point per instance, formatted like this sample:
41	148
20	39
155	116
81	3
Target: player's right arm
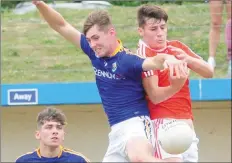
159	94
161	61
58	23
194	61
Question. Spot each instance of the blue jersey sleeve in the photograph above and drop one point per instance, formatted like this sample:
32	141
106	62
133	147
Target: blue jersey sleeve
86	48
78	158
20	160
133	65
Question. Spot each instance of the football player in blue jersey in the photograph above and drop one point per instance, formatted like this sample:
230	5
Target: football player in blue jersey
50	133
118	78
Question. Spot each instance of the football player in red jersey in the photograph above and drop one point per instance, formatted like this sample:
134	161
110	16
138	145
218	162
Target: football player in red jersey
168	97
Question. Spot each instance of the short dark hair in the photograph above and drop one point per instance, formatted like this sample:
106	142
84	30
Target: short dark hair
148	11
100	18
51	114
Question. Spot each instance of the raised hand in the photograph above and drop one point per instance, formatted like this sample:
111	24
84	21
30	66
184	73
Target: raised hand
180	53
176	67
178	79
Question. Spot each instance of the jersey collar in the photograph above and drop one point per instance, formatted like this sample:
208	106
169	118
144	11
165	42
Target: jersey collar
118	49
59	155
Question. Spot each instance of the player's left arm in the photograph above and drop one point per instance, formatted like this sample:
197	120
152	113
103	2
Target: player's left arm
194	61
132	65
135	65
159	94
160	62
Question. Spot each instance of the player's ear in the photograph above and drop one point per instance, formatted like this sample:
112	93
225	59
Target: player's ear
140	31
37	135
112	31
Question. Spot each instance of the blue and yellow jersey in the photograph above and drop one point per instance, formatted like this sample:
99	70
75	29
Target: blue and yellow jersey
66	155
119	81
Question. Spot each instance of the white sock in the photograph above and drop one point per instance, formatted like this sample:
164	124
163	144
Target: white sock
212	61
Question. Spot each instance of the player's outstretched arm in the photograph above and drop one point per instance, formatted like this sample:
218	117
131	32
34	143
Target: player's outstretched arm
58	23
161	61
154	63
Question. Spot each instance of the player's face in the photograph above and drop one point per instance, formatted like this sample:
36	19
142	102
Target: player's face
154	33
51	134
101	41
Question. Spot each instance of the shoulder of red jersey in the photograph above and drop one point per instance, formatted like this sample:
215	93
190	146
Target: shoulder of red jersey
184	47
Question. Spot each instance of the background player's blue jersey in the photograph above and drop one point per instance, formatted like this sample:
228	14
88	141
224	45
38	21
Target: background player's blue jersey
119	82
65	156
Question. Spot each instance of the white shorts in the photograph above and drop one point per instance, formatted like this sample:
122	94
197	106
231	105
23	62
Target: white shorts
120	133
191	155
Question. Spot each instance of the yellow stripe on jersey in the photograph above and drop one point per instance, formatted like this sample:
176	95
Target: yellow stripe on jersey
118	49
76	153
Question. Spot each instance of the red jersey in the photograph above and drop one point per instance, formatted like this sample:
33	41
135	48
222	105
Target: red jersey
178	106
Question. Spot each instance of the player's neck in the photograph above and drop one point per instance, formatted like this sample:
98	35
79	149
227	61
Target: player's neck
115	46
49	152
160	49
